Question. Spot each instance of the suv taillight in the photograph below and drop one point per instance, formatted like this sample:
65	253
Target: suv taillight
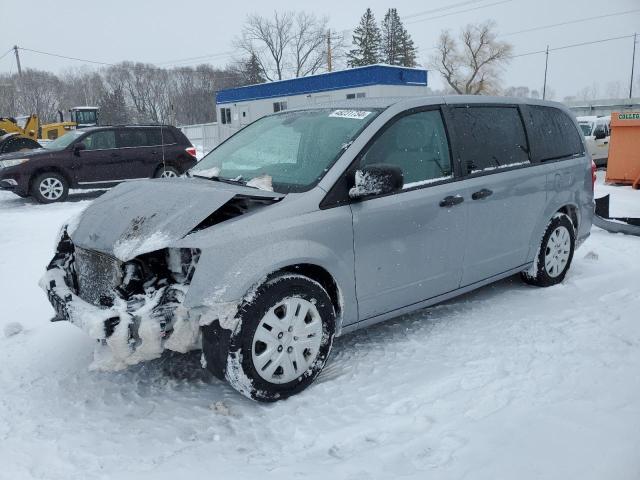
191	151
593	174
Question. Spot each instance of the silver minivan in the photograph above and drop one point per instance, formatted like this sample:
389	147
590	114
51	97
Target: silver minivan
315	222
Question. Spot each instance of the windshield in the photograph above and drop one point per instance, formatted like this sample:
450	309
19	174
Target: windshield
288	152
86	117
64	141
586	128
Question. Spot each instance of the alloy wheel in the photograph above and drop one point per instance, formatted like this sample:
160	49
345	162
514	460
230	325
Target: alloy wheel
51	188
168	174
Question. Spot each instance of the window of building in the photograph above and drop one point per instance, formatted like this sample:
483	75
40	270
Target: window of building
490	137
279	106
417	144
352	96
225	115
554	133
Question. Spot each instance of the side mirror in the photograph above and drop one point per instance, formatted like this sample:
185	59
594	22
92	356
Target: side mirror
78	147
376	179
599	134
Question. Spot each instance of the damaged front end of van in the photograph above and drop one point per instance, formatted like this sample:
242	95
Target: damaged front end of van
121	273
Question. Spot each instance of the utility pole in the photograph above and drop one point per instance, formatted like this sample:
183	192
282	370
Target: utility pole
15	50
329	66
546	66
633	64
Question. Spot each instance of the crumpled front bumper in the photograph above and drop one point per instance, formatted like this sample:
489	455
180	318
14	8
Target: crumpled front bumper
133	330
98	323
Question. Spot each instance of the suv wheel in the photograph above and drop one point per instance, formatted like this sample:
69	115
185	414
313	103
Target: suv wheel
167	172
49	187
554	255
282	341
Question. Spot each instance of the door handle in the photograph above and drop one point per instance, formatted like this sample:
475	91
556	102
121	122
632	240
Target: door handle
451	200
484	193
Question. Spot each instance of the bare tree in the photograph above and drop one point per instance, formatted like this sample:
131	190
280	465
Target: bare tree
309	41
474	67
288	45
268	39
38	92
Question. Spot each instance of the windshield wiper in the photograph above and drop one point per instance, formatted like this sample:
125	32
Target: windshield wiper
233	181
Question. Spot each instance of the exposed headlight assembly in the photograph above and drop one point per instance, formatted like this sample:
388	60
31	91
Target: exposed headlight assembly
13	163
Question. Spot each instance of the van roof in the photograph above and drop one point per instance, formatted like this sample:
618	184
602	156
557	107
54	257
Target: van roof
385	102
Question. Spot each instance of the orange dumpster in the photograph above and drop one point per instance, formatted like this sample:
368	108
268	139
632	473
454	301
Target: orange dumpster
623	165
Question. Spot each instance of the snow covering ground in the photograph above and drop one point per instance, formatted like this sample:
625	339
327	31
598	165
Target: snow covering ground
507	382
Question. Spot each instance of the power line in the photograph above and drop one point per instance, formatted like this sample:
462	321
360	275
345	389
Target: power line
220	54
564	47
458	12
570	22
6	53
440	9
64	56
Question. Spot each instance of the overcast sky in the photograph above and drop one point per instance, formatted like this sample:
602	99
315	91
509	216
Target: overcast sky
162	31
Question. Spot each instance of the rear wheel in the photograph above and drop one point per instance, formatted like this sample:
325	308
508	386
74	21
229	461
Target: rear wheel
554	255
167	172
49	187
282	341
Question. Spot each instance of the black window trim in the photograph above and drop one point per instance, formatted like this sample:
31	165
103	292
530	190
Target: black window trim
336	198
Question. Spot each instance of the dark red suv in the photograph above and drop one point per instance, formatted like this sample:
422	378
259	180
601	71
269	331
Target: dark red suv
96	158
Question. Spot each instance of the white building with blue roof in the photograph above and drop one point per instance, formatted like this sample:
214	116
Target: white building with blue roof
237	107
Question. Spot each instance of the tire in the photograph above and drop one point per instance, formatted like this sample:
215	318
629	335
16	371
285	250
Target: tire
49	187
166	171
554	254
274	351
18	144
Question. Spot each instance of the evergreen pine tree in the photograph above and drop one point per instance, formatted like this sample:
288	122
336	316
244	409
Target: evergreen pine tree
391	37
252	71
407	51
113	108
367	42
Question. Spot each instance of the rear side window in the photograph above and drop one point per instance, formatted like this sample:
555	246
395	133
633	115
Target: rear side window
553	133
131	138
490	137
157	137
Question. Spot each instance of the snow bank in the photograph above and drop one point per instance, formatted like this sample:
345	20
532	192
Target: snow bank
508	382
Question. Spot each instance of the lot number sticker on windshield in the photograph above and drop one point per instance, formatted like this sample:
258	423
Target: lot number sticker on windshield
354	114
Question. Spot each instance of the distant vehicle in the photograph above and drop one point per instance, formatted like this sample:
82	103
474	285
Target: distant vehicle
15	142
597	133
28	127
96	157
315	222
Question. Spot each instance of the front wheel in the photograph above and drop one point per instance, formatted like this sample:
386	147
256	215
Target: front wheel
49	187
282	341
555	253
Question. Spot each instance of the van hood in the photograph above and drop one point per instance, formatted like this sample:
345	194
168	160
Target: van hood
143	216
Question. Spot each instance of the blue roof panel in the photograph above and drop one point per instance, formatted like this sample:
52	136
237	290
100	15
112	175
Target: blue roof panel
351	78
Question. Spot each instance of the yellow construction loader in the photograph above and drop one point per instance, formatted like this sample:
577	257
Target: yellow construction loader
23	133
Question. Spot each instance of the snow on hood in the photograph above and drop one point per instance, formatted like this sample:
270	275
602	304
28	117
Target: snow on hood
143	216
